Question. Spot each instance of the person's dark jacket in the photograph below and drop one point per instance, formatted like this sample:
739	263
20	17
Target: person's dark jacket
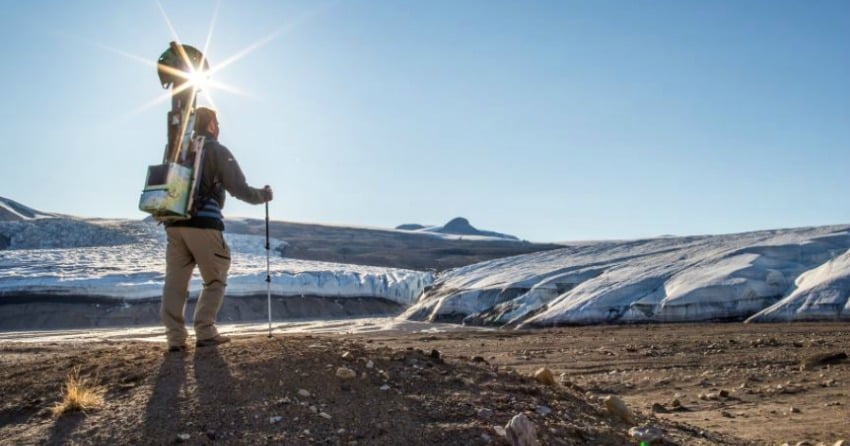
219	173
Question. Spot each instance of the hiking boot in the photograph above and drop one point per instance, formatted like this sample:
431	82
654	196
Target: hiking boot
218	340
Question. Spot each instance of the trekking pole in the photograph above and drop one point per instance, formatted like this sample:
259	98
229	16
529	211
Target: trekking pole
268	271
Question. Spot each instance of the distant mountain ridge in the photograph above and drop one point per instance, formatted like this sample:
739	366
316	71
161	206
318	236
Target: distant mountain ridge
456	226
11	210
24	228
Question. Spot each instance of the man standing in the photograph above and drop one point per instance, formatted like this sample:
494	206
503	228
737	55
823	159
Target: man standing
199	241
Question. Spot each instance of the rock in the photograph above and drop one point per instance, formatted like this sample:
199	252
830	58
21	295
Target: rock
794	410
521	431
348	356
545	376
822	359
325	415
370	364
211	434
724	394
345	373
659	408
435	354
842	443
183	437
648	434
480	359
275	420
385	387
617	408
804	443
543	410
500	431
726	414
484	413
304	393
676	403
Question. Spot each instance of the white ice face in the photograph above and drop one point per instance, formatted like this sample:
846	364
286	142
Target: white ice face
129	263
673	279
795	274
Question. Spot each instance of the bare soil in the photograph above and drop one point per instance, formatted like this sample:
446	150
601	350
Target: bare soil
735	384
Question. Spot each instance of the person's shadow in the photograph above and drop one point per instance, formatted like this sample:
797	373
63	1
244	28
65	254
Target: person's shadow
217	390
168	398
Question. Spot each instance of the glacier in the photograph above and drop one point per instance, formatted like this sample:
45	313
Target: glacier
777	275
822	293
125	260
800	274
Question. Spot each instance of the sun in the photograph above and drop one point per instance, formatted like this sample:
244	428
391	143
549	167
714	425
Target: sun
201	80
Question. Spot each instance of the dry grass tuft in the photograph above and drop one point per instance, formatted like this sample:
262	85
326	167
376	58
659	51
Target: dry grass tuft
79	394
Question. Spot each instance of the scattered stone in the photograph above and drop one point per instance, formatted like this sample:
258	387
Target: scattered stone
385	387
676	403
304	393
500	431
842	443
211	434
345	373
795	410
712	396
183	437
724	394
479	359
822	359
618	408
659	408
485	413
648	434
325	415
370	364
804	443
543	410
348	356
726	414
545	376
275	420
435	354
521	431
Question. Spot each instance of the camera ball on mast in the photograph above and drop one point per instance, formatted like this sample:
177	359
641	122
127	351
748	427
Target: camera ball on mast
171	187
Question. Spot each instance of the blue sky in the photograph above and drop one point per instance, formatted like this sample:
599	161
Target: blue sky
549	120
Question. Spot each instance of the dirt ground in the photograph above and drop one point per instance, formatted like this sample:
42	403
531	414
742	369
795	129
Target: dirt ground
734	384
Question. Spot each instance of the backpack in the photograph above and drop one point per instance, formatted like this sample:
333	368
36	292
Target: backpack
171	189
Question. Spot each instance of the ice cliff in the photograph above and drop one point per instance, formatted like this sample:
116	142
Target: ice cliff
804	272
126	260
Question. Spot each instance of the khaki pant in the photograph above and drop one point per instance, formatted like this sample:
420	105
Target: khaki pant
188	247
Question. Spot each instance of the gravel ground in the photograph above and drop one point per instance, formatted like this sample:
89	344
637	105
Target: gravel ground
694	384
